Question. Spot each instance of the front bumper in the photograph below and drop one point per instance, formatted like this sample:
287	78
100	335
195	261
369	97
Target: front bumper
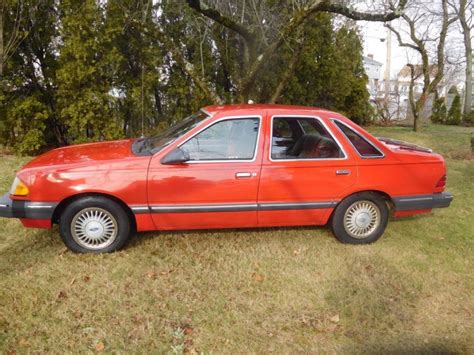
26	209
422	202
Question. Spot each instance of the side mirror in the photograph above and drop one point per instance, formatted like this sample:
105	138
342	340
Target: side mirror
176	156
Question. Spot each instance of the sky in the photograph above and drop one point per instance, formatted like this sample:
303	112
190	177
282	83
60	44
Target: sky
372	33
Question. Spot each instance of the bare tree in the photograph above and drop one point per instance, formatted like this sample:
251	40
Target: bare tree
9	44
420	22
260	43
12	37
465	12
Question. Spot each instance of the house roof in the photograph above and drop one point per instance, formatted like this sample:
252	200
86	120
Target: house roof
406	70
368	60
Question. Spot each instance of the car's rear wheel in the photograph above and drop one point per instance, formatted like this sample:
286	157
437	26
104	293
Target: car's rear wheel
94	224
360	218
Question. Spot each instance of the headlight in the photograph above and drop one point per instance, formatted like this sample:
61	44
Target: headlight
19	188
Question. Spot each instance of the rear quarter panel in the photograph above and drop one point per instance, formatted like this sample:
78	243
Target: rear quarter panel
399	172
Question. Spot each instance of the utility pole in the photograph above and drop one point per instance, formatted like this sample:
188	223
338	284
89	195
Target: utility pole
388	64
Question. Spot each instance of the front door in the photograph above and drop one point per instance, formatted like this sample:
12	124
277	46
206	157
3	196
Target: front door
305	172
217	187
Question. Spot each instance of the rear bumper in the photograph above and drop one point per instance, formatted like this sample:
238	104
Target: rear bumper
422	202
25	209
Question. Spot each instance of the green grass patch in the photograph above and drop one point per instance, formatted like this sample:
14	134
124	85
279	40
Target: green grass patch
281	290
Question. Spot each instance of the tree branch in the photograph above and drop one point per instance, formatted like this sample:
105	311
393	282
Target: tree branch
188	68
401	43
341	9
288	74
299	19
225	21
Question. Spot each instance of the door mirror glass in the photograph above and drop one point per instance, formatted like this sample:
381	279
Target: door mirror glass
176	156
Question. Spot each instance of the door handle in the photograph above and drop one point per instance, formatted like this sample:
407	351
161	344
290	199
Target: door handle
245	175
343	172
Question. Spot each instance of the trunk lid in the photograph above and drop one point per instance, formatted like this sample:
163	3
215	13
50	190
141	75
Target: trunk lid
395	144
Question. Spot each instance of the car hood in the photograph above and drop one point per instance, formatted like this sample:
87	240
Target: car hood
84	153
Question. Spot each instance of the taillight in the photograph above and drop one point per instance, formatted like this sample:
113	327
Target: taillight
441	182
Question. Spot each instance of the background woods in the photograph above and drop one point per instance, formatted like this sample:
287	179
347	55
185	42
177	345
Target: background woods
76	71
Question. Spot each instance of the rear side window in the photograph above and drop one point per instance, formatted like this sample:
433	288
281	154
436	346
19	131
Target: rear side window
363	147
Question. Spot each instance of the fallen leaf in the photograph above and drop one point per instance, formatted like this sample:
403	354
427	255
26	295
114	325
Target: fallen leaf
258	277
99	346
188	330
151	275
335	318
61	294
86	278
296	252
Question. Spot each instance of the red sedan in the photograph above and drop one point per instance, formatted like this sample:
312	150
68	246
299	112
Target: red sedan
235	166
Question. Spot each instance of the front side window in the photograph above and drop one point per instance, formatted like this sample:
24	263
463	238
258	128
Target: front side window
232	139
363	147
302	138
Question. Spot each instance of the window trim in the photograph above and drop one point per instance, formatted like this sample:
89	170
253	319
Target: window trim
320	120
334	120
227	118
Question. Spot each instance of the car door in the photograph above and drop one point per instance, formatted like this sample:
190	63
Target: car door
305	172
217	187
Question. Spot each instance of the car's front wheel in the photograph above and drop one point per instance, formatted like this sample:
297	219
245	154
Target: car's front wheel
94	224
360	218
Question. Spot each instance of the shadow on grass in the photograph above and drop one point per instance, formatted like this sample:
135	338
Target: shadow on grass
30	250
381	301
236	234
415	347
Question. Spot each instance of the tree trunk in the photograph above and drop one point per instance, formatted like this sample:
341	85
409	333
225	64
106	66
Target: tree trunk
466	30
1	43
468	91
415	122
286	76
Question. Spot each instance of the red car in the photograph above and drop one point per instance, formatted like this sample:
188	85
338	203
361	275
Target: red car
233	166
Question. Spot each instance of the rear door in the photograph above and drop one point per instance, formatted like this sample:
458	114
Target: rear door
305	171
217	188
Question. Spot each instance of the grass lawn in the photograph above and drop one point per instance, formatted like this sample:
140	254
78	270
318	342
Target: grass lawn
280	290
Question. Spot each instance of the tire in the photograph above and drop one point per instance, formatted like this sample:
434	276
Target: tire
360	218
95	224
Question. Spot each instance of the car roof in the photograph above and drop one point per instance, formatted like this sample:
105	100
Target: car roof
242	108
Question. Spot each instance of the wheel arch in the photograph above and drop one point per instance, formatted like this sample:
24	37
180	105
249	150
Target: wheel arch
387	198
68	200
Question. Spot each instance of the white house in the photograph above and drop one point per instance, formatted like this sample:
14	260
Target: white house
373	70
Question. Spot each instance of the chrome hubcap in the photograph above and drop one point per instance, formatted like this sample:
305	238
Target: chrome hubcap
361	219
94	228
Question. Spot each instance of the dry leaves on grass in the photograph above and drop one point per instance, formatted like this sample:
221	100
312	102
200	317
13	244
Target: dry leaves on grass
99	346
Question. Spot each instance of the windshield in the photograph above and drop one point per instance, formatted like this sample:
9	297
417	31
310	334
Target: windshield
152	145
